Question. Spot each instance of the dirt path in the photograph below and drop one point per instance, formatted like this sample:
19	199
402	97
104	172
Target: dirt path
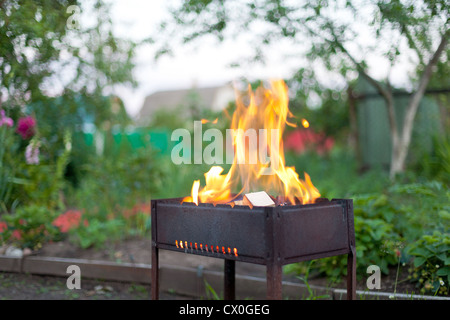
14	286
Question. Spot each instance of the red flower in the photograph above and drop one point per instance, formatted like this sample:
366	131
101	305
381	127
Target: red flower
68	220
3	226
138	208
26	127
301	139
16	234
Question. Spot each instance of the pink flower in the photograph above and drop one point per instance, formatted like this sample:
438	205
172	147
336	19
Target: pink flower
26	127
32	153
4	120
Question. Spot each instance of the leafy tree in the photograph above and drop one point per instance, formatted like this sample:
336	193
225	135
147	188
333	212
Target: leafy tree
47	49
59	61
342	35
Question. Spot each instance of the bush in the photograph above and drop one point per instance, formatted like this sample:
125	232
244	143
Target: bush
30	227
376	241
336	174
96	233
121	182
409	222
431	267
436	165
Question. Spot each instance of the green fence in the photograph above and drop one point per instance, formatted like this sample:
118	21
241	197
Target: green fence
112	143
374	140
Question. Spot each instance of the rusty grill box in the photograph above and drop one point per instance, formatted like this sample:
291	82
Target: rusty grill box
271	236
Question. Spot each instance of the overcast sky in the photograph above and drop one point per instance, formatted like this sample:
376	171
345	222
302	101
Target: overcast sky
205	66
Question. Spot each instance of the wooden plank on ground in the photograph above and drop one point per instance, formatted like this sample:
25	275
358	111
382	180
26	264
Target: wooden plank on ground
10	264
139	273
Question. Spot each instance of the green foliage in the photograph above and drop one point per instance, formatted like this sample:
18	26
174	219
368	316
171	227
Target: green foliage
38	182
37	47
403	221
312	101
138	225
31	226
431	268
304	279
211	294
376	244
43	182
117	187
35	38
436	165
97	233
336	174
7	169
168	119
122	181
21	33
377	240
69	113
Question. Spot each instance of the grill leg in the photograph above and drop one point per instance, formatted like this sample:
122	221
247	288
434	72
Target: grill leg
274	278
351	275
155	273
230	280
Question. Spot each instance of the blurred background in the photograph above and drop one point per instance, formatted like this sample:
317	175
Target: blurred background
91	91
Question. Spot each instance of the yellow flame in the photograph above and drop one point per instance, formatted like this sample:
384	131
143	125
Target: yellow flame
266	109
305	123
195	187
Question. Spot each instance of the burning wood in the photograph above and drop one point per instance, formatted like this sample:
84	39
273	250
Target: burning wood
258	162
258	199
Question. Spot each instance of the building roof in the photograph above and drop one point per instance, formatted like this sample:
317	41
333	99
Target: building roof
214	98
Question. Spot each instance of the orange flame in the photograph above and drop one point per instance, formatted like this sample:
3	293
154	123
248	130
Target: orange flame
225	250
305	123
262	168
207	121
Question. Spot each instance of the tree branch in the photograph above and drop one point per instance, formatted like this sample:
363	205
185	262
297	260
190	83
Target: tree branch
423	83
412	43
385	93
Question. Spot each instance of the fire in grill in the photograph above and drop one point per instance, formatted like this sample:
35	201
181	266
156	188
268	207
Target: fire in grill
271	236
293	225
